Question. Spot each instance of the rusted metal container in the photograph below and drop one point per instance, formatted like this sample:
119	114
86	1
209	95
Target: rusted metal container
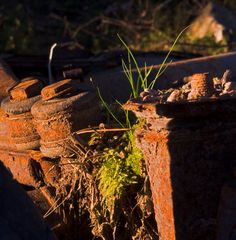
66	107
22	132
189	151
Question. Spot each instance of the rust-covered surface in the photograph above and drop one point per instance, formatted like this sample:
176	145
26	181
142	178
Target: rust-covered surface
188	161
7	79
51	170
201	86
27	88
21	130
4	133
62	112
63	88
23	167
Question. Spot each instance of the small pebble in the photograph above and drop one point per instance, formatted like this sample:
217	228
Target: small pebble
174	96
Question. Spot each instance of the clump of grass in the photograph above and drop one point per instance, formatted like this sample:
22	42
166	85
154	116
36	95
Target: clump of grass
115	175
141	83
119	169
120	163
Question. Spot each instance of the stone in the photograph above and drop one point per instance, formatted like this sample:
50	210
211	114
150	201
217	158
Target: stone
214	21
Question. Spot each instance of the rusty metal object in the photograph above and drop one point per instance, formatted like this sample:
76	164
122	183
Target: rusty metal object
31	168
23	168
188	160
7	79
22	132
4	137
201	86
61	112
59	89
183	109
27	88
51	170
76	73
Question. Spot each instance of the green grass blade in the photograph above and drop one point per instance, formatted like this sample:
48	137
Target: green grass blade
167	56
147	73
133	58
127	121
135	88
129	77
109	110
163	70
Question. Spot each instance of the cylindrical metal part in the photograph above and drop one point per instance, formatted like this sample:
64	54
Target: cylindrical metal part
66	107
21	130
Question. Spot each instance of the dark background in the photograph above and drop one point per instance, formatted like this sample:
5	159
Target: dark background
31	27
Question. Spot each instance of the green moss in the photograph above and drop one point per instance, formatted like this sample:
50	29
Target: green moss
114	176
119	168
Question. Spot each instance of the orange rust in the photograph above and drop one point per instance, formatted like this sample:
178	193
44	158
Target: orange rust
20	126
23	168
22	131
55	120
26	89
58	127
51	170
4	132
201	86
156	144
36	155
59	89
187	168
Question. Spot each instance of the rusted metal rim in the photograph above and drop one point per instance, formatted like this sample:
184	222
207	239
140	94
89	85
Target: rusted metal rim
18	107
186	108
44	109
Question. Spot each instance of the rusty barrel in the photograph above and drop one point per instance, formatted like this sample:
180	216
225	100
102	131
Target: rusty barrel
21	130
66	107
189	150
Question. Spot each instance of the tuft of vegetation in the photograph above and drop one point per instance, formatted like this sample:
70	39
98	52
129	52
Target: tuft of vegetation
141	83
120	162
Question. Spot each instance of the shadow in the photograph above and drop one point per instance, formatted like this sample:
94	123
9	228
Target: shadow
201	156
19	219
